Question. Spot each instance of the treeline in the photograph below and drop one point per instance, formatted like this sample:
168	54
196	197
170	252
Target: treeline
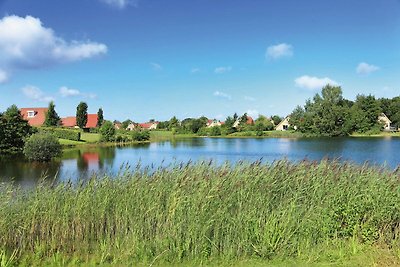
330	114
232	124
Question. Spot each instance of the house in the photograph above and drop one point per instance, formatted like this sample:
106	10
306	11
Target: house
213	123
385	121
149	125
117	125
249	121
70	122
132	126
34	116
146	126
284	125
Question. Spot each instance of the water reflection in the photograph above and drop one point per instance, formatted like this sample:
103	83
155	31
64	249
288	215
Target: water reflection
82	163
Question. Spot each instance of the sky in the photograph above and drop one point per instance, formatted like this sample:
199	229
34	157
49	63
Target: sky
153	59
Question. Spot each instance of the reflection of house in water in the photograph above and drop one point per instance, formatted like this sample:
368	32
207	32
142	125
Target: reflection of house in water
89	161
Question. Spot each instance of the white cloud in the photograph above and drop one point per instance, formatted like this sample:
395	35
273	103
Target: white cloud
69	92
253	113
26	43
314	83
3	76
222	95
119	3
195	70
35	93
221	70
249	98
155	66
365	68
279	51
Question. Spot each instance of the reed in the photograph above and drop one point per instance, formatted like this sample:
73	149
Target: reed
200	213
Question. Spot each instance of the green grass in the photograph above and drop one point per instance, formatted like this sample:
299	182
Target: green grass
327	214
90	137
382	134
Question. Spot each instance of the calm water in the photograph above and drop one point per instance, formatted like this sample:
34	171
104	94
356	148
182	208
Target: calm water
84	162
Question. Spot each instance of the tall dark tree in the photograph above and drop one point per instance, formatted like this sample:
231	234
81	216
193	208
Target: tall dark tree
13	130
52	118
100	117
81	115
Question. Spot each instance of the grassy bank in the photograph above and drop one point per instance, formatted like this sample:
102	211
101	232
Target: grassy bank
243	215
382	134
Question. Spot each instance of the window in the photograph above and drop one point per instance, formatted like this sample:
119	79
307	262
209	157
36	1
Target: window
285	127
31	114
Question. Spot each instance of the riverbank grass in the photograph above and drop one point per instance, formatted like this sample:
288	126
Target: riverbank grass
203	214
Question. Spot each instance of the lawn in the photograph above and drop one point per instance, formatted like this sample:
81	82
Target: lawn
90	137
200	214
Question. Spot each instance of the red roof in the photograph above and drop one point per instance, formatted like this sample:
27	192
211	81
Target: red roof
249	120
71	121
39	115
68	122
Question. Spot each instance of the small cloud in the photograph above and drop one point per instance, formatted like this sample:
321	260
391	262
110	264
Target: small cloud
365	68
195	70
156	66
35	93
68	92
279	51
221	70
222	95
249	98
120	3
3	76
314	83
253	113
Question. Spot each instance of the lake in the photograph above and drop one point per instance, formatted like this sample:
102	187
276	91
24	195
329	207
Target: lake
85	161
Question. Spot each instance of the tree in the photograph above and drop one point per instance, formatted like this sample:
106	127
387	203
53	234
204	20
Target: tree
81	115
173	123
327	114
52	118
13	131
364	114
100	117
276	119
107	131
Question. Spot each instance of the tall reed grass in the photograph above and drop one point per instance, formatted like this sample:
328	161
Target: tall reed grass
201	211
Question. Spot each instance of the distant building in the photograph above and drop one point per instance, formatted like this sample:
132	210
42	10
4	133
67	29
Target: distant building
213	123
34	116
385	121
117	125
284	125
70	122
146	126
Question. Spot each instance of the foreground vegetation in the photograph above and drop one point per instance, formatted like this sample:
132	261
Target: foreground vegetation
202	214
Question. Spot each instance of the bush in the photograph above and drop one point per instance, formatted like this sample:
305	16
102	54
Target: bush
62	133
140	135
107	132
42	147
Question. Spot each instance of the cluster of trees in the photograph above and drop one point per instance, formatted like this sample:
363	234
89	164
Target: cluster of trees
330	114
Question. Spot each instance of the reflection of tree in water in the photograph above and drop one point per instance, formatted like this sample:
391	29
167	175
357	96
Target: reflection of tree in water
26	173
107	156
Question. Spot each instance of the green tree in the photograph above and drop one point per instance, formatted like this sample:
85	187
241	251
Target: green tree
81	115
364	114
327	114
107	131
52	118
173	123
13	131
276	119
100	117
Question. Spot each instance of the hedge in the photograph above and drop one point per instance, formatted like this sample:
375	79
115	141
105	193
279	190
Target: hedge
68	134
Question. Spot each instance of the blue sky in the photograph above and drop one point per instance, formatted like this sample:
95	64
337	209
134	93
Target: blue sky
155	58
